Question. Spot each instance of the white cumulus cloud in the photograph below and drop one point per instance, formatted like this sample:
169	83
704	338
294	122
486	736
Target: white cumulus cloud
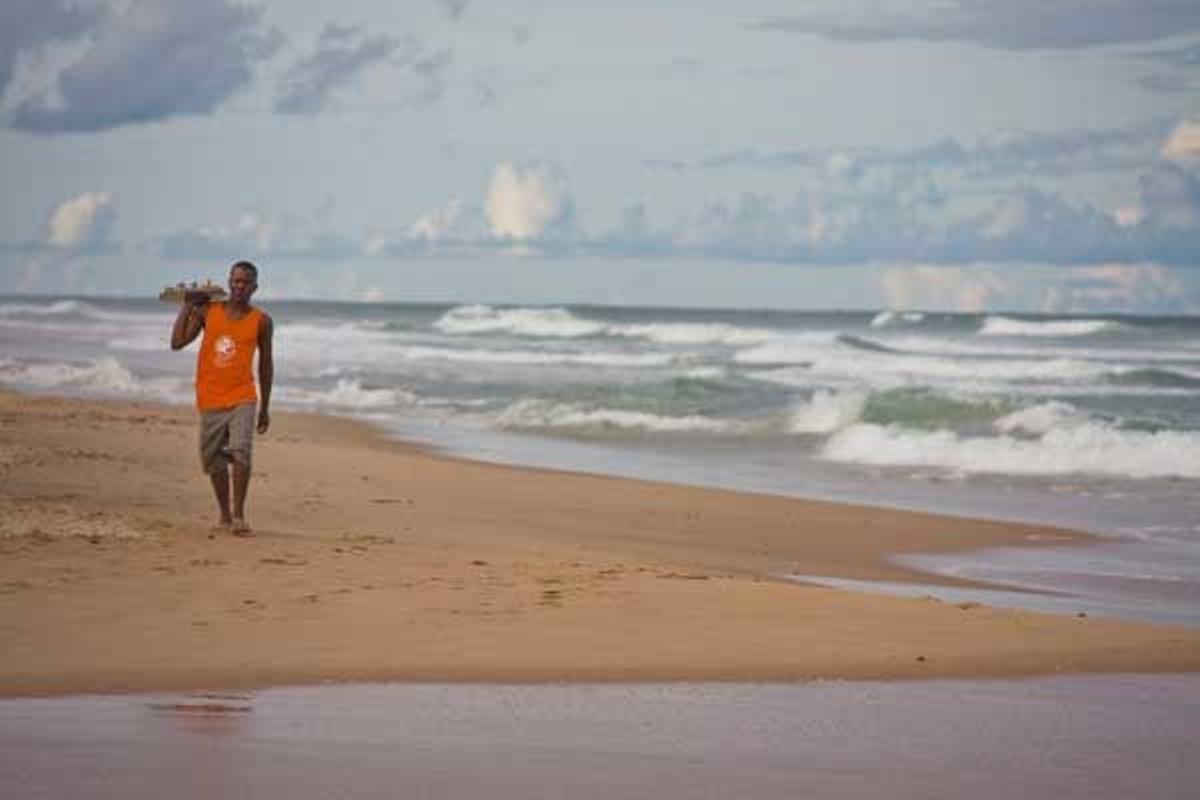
528	202
82	222
438	222
1184	142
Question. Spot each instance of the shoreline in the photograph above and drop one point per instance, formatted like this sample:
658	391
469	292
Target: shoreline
379	560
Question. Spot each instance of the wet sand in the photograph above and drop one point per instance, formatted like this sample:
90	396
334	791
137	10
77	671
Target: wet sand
377	561
1091	737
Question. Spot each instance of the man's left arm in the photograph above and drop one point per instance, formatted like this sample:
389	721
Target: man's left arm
266	371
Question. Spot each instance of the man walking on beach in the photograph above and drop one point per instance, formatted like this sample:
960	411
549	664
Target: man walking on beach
225	391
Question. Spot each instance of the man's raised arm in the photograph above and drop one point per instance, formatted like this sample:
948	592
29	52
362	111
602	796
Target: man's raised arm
188	323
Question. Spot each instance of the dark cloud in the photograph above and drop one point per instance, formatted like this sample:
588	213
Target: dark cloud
26	25
1011	24
341	55
150	61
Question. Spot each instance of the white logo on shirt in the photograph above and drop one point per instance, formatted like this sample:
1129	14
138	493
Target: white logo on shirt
224	349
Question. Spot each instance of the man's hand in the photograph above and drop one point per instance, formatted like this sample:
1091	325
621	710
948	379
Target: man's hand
264	420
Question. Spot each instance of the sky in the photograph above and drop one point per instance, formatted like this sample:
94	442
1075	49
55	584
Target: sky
969	155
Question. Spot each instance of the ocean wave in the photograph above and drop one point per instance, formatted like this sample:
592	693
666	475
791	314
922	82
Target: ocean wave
550	323
537	357
1040	419
887	318
693	333
106	376
826	412
533	414
1010	326
1090	448
926	345
865	343
55	308
1152	376
540	322
346	394
857	358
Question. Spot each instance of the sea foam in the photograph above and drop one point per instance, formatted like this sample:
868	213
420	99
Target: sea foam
540	322
826	412
1090	448
1009	326
533	414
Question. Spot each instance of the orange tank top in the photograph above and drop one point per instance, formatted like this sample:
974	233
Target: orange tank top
224	376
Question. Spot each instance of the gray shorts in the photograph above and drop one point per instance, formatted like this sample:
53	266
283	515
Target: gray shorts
226	434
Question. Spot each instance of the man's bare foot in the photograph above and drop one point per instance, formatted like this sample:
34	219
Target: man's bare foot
240	528
224	526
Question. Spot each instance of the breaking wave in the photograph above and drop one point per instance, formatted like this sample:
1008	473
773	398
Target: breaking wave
1010	326
542	414
1088	448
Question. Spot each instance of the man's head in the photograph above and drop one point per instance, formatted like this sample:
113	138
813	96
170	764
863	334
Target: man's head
243	280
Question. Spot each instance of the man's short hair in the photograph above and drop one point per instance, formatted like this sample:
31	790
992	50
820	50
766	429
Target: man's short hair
246	265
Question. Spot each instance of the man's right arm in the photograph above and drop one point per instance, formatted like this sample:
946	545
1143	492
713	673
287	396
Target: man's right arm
188	324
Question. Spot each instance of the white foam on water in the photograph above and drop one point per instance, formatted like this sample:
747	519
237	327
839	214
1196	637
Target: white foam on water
346	394
1040	419
106	376
706	373
826	412
1008	326
1088	448
536	357
826	357
561	323
528	414
885	318
1118	356
693	333
542	322
55	308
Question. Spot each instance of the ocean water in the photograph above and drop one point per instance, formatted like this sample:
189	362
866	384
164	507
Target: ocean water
1086	422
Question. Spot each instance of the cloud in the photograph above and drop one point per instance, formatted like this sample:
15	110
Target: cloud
252	235
341	55
83	223
529	203
1183	145
1118	287
1012	24
144	61
1072	290
453	227
28	25
1009	153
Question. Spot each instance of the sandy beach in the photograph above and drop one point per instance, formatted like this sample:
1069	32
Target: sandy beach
378	561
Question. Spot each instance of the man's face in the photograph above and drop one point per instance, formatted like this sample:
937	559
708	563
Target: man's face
241	285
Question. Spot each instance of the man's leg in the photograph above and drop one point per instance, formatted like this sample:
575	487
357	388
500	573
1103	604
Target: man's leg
220	484
214	437
241	485
241	443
